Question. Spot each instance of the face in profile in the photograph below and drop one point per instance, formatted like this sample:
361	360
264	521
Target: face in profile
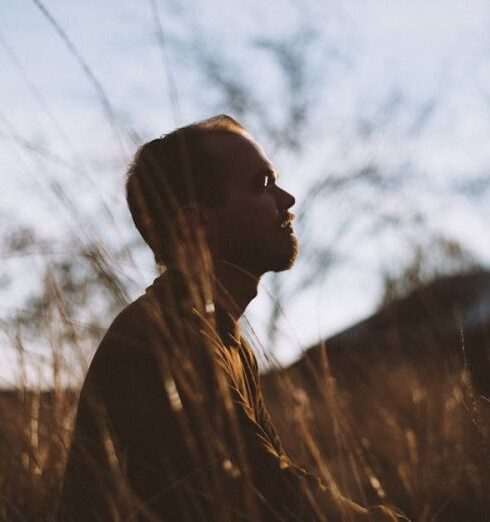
252	228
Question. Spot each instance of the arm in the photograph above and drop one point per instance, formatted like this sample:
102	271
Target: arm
148	434
125	452
306	492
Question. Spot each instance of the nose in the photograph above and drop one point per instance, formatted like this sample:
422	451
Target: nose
285	200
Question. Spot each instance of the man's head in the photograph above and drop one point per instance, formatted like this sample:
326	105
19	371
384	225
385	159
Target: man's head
211	175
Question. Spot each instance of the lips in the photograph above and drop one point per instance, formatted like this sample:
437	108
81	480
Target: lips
287	223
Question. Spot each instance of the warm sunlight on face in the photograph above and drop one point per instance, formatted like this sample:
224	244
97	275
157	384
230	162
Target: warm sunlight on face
253	226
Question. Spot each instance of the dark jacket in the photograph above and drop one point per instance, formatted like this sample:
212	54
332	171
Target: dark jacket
171	423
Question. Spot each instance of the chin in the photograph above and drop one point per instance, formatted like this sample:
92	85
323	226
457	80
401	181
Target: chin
285	259
276	257
283	265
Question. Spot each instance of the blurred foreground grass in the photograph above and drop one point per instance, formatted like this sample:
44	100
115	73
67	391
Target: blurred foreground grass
406	435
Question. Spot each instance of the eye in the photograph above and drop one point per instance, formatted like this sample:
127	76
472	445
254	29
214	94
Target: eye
263	182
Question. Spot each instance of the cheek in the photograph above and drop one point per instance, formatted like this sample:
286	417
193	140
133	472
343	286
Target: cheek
251	214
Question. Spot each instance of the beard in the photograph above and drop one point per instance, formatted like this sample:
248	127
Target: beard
283	256
258	257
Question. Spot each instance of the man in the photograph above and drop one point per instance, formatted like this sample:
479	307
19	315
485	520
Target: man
171	423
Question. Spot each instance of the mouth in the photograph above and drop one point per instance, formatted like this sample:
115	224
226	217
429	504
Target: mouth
287	224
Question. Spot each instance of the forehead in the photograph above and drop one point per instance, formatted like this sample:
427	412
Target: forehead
240	157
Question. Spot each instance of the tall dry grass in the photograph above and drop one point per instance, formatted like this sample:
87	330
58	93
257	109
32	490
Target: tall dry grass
410	435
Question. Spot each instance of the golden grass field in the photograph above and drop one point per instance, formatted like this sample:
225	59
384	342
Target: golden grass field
397	432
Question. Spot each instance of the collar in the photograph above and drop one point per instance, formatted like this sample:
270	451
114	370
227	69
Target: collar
172	287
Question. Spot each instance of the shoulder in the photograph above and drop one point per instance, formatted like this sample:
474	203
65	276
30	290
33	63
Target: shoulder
148	325
132	338
131	322
125	361
129	327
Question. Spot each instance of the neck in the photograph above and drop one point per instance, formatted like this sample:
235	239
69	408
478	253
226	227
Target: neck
235	287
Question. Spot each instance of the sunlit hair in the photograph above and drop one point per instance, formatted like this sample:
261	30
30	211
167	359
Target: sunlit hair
171	171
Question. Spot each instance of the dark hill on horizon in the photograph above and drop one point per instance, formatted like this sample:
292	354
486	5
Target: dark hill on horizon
446	322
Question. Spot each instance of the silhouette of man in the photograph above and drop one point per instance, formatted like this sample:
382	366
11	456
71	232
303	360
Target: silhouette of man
171	424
